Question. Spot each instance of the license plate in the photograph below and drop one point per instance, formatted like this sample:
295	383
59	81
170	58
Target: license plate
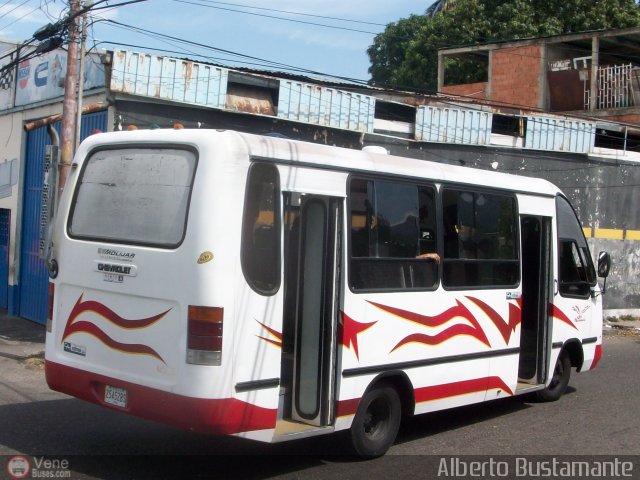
115	396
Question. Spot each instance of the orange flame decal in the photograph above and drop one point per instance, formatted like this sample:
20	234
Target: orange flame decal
278	336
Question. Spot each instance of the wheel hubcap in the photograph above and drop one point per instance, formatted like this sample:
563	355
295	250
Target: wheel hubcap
376	417
557	374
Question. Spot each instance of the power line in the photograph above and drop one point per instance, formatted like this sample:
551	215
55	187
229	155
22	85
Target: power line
232	53
14	8
5	4
296	13
179	52
39	7
94	7
162	38
57	29
277	18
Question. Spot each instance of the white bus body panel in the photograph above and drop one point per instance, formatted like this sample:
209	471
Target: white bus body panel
376	329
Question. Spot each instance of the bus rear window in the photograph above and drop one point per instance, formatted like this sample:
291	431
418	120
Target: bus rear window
134	195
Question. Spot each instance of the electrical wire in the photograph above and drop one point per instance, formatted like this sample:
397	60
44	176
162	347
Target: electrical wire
5	4
278	18
232	53
296	13
14	8
39	7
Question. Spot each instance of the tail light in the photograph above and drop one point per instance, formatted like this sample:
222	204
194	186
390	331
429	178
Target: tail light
52	289
204	335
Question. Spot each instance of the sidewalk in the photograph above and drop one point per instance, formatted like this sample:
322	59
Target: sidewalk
625	323
19	338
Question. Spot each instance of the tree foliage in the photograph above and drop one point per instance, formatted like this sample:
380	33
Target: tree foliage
404	56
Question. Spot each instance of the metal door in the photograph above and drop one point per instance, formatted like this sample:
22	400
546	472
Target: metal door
5	225
316	310
33	276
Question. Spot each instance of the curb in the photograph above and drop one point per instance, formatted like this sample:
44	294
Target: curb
21	358
20	351
622	327
612	329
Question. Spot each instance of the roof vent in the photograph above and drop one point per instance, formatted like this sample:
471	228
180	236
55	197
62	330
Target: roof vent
375	149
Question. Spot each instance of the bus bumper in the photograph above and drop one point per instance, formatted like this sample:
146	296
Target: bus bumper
220	416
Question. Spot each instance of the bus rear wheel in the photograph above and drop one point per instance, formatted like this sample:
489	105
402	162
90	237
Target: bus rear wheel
377	421
559	380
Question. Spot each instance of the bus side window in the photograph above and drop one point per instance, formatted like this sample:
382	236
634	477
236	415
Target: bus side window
360	217
260	251
427	221
392	227
480	239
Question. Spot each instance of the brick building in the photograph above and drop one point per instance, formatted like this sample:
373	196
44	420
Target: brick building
594	73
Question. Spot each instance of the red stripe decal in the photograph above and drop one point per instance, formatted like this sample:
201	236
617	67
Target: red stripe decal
597	356
436	392
348	331
447	390
559	314
460	329
89	328
347	407
505	328
104	311
441	337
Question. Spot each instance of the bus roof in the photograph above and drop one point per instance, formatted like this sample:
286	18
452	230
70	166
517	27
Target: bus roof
314	155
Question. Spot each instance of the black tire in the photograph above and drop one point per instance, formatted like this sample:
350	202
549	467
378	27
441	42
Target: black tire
559	380
377	421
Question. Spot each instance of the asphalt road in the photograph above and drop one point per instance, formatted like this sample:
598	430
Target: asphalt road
599	415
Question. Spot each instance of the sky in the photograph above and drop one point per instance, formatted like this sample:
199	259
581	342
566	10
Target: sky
282	31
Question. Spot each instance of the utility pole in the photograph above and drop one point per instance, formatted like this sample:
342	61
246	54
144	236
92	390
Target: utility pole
69	105
83	52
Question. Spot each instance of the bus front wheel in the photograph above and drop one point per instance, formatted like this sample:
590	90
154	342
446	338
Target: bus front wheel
559	380
377	421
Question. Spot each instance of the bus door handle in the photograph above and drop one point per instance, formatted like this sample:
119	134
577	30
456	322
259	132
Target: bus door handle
555	286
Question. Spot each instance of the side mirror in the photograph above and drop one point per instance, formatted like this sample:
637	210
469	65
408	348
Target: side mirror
604	264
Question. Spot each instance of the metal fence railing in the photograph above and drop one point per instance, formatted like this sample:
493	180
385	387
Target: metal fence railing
614	87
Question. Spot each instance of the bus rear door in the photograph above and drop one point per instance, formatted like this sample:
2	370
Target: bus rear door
312	276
